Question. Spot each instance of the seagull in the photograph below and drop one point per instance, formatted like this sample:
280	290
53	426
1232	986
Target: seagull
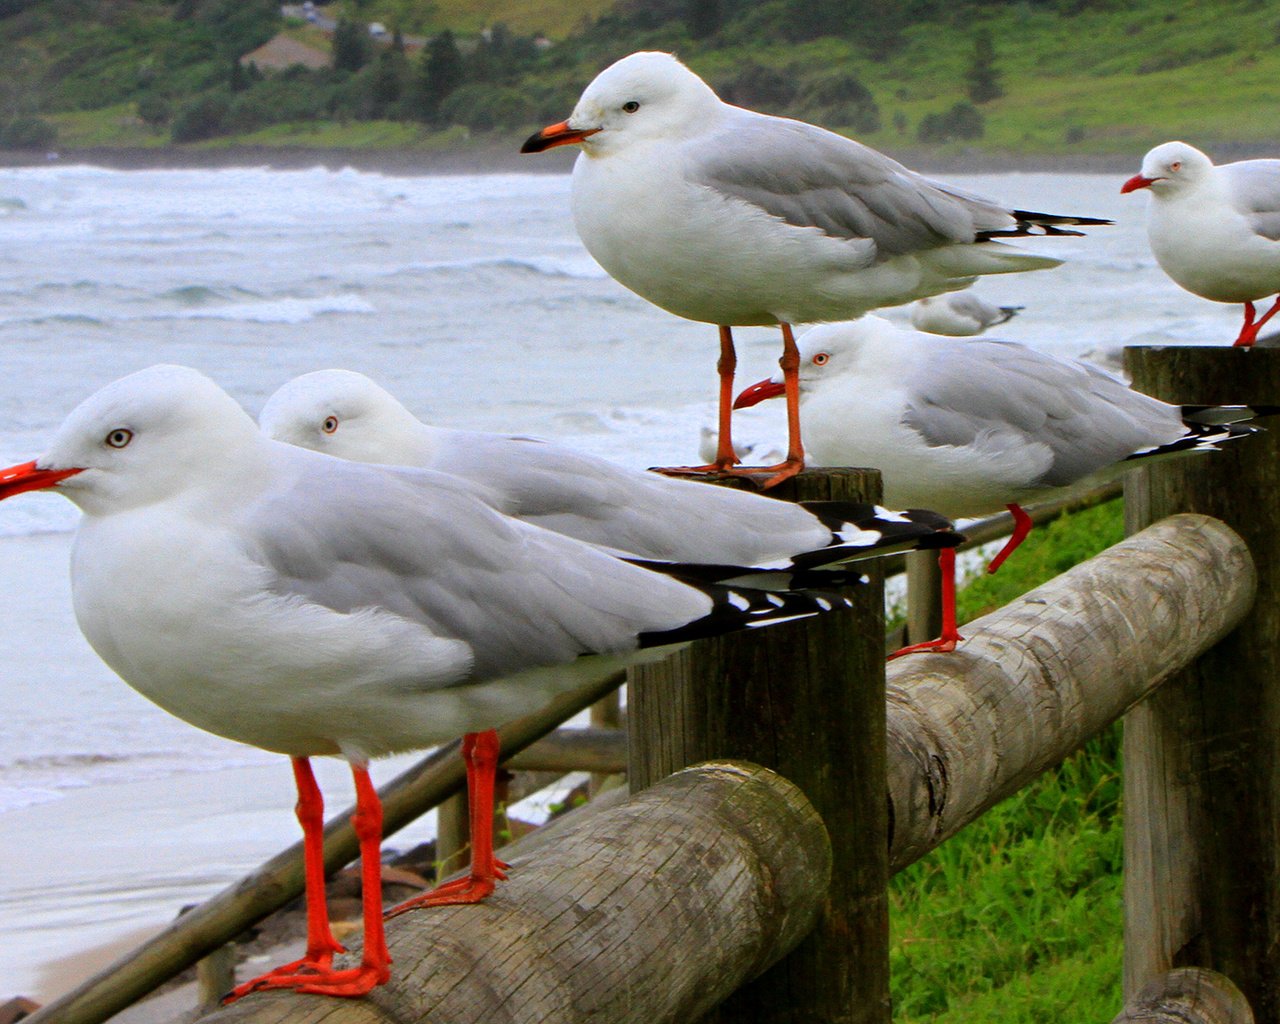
971	426
634	513
313	606
1215	230
959	314
736	218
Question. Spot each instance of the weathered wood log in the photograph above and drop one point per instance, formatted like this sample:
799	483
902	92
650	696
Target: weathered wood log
649	912
806	699
1188	995
574	750
1037	678
220	919
1202	757
924	597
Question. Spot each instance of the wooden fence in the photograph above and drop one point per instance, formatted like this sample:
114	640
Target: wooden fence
731	917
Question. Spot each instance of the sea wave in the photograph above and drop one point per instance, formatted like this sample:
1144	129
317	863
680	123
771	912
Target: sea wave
574	267
270	311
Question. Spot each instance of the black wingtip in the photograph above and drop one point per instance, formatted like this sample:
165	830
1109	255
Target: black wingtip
738	608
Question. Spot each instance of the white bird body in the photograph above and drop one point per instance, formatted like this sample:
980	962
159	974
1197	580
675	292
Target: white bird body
972	426
728	216
1215	230
632	512
309	605
958	314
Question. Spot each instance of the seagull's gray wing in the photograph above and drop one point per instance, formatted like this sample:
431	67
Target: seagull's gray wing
810	177
994	394
419	545
1255	192
642	514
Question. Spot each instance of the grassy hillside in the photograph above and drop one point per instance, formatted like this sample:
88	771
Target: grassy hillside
1086	77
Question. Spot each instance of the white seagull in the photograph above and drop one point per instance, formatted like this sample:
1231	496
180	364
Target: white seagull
1215	230
971	426
959	314
732	217
313	606
632	512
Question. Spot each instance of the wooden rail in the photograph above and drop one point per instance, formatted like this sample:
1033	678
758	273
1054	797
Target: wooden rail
1188	995
649	912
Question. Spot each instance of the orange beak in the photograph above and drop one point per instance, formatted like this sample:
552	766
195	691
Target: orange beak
555	135
757	393
1135	183
26	477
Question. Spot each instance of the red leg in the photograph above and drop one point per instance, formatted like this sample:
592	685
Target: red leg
375	963
1249	332
790	363
480	751
321	945
950	631
1021	527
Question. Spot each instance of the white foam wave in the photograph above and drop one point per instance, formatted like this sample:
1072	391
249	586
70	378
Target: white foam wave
272	311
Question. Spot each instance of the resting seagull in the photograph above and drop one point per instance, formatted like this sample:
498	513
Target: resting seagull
635	513
1215	230
736	218
959	314
313	606
974	426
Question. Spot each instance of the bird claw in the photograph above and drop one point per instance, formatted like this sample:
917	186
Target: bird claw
349	983
460	892
942	645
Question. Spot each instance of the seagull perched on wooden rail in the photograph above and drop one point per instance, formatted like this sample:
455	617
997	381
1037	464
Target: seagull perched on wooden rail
635	513
736	218
1215	230
971	426
314	606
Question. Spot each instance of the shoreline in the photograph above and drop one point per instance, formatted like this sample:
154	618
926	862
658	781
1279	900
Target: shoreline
502	156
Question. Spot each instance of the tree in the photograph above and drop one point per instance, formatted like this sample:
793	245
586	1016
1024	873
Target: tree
703	17
442	71
350	46
982	78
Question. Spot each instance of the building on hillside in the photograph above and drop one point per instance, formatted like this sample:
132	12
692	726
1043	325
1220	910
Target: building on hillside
282	52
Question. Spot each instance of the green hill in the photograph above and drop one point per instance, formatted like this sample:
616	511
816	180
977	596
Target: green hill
1046	78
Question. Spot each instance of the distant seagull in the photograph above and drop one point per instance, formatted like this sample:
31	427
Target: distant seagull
630	511
734	218
959	314
1215	230
971	426
309	605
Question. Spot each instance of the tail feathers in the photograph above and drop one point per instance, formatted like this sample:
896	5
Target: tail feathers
1219	414
1199	437
735	609
1007	314
862	530
1031	223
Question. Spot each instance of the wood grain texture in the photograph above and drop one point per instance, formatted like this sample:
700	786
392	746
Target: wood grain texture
1202	757
1188	995
648	912
1038	677
806	699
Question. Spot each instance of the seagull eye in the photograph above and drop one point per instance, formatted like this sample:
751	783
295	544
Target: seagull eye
118	438
821	359
1176	165
631	106
330	424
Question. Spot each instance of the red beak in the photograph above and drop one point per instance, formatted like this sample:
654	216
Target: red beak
555	135
1135	183
758	393
26	477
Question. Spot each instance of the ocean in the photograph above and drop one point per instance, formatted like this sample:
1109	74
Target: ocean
469	297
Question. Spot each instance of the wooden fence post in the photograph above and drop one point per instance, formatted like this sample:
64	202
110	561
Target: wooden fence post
807	700
1188	995
1202	755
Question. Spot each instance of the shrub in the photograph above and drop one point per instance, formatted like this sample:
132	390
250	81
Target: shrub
203	118
758	86
28	132
962	121
839	98
484	107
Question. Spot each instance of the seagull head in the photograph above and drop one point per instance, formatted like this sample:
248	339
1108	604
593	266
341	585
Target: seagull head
1169	168
828	351
645	96
139	440
345	414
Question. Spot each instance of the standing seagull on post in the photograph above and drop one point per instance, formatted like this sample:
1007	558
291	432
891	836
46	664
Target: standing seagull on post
1215	230
971	426
313	606
736	218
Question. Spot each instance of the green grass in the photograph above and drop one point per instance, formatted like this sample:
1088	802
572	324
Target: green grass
1018	918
